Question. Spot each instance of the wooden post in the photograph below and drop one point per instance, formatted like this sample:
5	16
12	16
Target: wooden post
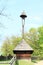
23	23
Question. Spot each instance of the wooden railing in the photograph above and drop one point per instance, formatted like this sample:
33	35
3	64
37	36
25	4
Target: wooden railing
11	62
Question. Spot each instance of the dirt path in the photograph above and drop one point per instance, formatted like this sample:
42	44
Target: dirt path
39	63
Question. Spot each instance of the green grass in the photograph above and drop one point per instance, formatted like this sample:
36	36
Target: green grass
4	62
23	62
20	62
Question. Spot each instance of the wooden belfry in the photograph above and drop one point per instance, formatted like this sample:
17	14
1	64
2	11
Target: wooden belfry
23	50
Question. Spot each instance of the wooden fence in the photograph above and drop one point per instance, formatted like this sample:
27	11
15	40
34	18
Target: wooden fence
11	62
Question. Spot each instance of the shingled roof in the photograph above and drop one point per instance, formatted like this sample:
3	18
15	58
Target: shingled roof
23	46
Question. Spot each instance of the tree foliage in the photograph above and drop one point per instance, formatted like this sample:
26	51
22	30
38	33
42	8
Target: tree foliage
32	37
9	45
40	30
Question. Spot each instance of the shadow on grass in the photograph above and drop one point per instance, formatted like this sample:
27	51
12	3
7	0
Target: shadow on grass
34	61
16	62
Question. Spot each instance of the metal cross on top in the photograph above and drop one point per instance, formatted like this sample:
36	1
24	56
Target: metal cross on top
23	16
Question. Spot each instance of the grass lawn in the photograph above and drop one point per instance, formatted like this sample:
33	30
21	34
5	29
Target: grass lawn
23	62
4	62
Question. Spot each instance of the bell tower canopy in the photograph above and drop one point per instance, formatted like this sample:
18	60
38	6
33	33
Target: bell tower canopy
23	15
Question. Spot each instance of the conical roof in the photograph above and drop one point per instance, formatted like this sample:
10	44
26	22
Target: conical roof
23	46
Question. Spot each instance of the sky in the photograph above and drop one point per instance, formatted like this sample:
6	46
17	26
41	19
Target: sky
11	23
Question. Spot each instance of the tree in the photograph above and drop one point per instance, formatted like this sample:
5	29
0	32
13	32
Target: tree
40	30
15	41
32	37
9	45
6	47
